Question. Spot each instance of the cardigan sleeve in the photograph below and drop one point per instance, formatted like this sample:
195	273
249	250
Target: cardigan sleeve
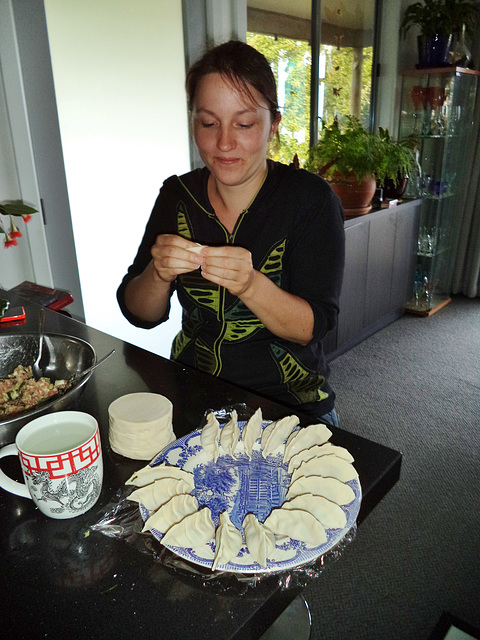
317	255
158	223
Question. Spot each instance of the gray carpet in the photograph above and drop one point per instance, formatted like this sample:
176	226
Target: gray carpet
414	386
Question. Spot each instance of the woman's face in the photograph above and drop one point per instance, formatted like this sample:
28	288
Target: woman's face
232	131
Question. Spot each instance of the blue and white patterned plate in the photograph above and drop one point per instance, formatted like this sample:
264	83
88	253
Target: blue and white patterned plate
240	486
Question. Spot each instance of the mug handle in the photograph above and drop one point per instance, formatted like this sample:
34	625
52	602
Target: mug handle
18	488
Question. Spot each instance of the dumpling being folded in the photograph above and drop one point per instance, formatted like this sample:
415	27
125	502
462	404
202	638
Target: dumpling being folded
328	466
193	531
252	431
306	438
297	524
316	451
260	540
209	437
330	488
171	512
152	496
266	433
230	434
149	474
228	541
328	513
278	434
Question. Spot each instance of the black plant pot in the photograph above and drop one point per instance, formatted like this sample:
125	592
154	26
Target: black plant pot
392	191
434	50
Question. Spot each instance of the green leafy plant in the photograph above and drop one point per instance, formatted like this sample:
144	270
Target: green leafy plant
13	210
398	156
347	149
441	17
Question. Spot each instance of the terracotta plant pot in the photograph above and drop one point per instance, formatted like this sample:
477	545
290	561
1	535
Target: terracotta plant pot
356	198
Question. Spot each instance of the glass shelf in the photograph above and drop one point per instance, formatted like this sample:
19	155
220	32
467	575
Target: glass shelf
437	107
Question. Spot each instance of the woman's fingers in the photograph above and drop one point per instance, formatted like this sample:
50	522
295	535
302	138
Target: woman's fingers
173	255
229	267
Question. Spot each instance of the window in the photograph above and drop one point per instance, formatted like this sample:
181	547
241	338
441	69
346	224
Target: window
340	51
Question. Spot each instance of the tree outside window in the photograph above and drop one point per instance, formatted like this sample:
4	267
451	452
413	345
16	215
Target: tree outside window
345	76
291	64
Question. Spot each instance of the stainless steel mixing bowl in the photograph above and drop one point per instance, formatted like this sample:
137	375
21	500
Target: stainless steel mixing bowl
62	357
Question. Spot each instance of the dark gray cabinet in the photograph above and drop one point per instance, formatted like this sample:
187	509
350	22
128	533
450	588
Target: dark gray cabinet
379	274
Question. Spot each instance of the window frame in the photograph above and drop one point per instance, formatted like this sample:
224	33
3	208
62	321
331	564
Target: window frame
316	36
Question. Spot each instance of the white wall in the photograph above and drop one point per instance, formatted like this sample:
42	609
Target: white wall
119	76
14	260
29	260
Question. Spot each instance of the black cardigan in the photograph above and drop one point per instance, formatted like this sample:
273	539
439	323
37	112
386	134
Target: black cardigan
294	231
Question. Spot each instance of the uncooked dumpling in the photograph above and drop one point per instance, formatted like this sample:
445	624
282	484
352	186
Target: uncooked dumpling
329	514
152	496
266	434
278	434
327	466
230	434
171	512
193	531
260	540
149	474
252	431
340	452
306	438
330	488
297	524
316	451
228	541
196	248
209	437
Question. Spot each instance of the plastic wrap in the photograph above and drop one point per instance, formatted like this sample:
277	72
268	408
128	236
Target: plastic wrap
123	521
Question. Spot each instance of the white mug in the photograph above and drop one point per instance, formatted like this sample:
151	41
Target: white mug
61	458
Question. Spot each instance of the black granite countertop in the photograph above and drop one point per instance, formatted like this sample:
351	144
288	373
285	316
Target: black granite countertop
59	578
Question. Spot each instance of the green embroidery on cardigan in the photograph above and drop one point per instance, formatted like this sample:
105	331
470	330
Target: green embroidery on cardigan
274	261
189	327
180	342
183	223
205	358
305	385
202	292
241	330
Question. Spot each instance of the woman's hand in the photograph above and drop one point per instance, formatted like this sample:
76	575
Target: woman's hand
282	313
147	295
173	255
228	266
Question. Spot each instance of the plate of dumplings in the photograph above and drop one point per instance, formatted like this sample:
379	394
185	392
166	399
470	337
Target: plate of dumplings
249	496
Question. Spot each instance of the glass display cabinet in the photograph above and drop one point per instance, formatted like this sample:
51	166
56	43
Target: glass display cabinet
437	107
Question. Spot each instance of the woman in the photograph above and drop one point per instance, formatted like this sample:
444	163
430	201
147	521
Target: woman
255	249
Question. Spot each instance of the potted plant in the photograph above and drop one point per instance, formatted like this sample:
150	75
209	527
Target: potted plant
439	22
353	159
399	160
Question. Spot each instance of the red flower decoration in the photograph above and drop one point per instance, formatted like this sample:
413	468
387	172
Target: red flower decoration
12	209
14	232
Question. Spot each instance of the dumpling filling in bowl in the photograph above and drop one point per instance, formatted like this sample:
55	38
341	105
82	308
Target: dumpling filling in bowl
20	391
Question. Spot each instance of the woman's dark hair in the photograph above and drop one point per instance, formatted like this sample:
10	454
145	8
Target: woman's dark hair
241	65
